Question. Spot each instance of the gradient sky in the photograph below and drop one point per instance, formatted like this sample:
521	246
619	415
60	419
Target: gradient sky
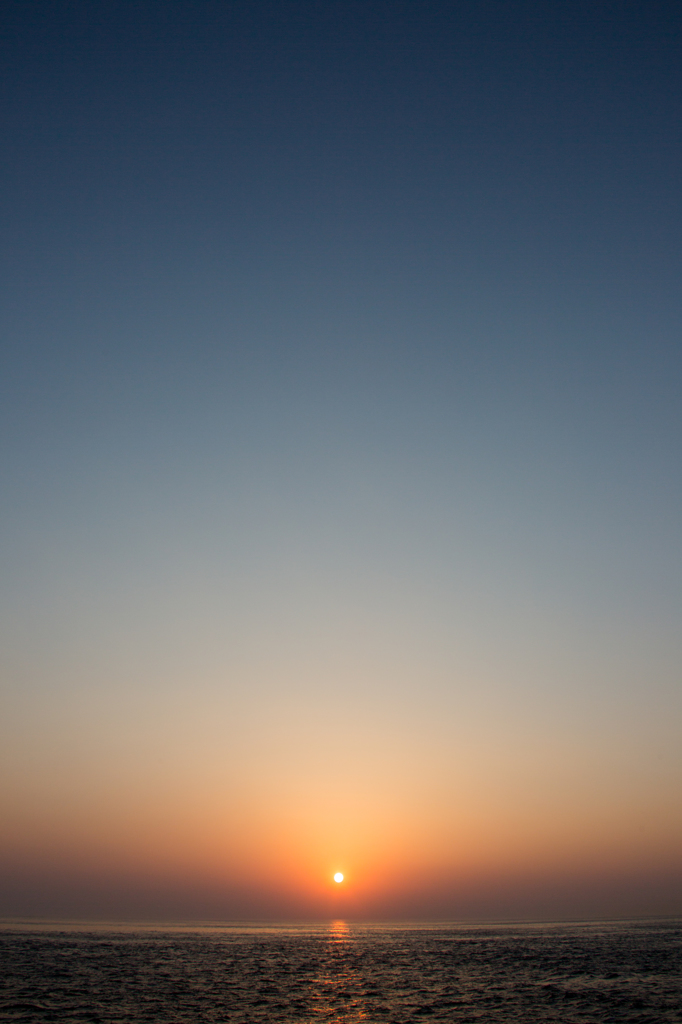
341	496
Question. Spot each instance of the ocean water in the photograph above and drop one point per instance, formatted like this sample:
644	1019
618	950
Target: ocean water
343	973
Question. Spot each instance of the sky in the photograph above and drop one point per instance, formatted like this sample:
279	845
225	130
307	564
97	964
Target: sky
340	430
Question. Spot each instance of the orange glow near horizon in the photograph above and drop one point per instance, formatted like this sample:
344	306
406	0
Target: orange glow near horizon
419	817
285	862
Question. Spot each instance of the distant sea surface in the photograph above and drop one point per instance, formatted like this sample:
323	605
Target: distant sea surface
342	973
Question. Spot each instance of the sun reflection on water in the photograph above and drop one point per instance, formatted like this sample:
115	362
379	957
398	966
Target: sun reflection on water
339	931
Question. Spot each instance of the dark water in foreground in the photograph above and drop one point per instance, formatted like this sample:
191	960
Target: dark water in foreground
345	974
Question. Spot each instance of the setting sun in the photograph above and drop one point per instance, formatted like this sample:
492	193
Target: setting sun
338	877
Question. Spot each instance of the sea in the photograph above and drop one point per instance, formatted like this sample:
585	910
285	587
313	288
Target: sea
342	973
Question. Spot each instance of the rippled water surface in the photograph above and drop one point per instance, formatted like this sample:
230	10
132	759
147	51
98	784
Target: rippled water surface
343	973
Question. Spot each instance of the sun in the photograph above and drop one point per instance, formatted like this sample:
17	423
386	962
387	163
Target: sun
338	877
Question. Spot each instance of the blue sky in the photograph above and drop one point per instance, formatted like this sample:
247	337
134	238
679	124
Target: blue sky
341	366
